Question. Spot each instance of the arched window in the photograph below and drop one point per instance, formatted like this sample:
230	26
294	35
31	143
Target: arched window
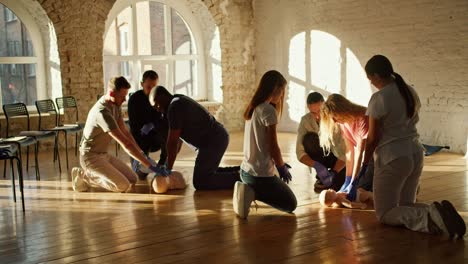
153	35
21	68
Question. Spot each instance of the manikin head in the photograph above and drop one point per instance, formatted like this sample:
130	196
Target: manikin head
327	197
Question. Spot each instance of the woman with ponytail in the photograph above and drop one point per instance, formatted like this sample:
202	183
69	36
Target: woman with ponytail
398	156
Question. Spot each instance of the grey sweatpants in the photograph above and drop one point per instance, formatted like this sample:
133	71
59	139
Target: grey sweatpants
395	187
108	172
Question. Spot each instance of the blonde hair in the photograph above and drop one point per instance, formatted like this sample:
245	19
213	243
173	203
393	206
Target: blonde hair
336	106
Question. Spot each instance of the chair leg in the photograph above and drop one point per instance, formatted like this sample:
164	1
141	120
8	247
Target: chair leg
66	148
56	151
20	157
76	144
12	179
55	146
27	159
4	169
36	150
20	179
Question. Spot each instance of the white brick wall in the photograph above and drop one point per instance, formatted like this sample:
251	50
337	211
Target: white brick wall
235	21
427	42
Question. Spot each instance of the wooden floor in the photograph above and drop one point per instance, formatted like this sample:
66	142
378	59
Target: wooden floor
61	226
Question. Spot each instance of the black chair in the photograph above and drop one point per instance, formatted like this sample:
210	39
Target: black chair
63	105
7	152
20	110
47	106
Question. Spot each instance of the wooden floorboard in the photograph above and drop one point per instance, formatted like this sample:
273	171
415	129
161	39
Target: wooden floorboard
188	226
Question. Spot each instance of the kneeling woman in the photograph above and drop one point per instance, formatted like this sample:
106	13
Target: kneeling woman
393	114
262	153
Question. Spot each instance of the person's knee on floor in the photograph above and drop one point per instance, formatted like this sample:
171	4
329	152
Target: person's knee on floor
124	186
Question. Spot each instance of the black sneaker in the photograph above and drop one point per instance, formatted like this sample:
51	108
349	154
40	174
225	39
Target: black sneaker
457	219
141	175
319	186
447	219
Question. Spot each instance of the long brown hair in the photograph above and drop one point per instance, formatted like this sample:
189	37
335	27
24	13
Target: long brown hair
270	81
336	105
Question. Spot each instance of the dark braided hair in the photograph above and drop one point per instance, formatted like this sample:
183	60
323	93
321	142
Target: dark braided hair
381	66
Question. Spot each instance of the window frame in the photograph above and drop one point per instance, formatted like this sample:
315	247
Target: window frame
169	58
23	16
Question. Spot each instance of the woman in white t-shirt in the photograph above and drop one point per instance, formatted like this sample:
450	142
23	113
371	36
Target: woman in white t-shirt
398	156
262	153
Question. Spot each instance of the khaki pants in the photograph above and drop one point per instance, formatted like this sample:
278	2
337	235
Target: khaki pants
108	172
395	187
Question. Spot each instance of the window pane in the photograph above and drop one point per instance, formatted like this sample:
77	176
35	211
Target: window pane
110	43
18	82
118	68
161	70
186	78
150	27
119	36
181	39
15	39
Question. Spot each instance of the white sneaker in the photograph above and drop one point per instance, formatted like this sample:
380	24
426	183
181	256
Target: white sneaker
78	183
242	198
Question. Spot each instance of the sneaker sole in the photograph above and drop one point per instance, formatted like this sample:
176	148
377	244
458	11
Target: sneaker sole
448	220
241	210
459	222
239	204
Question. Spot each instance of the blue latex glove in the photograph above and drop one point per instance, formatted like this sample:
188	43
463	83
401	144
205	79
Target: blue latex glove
160	170
327	181
362	172
352	192
284	173
146	129
345	187
351	189
322	172
135	165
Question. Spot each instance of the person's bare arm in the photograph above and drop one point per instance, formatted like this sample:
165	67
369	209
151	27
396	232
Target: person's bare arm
129	146
275	151
358	158
349	157
173	146
306	160
339	165
125	131
372	139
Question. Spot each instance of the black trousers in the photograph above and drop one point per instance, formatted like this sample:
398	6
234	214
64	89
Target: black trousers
312	148
207	175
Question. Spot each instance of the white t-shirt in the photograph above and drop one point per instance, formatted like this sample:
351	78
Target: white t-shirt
398	134
102	118
257	158
310	124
